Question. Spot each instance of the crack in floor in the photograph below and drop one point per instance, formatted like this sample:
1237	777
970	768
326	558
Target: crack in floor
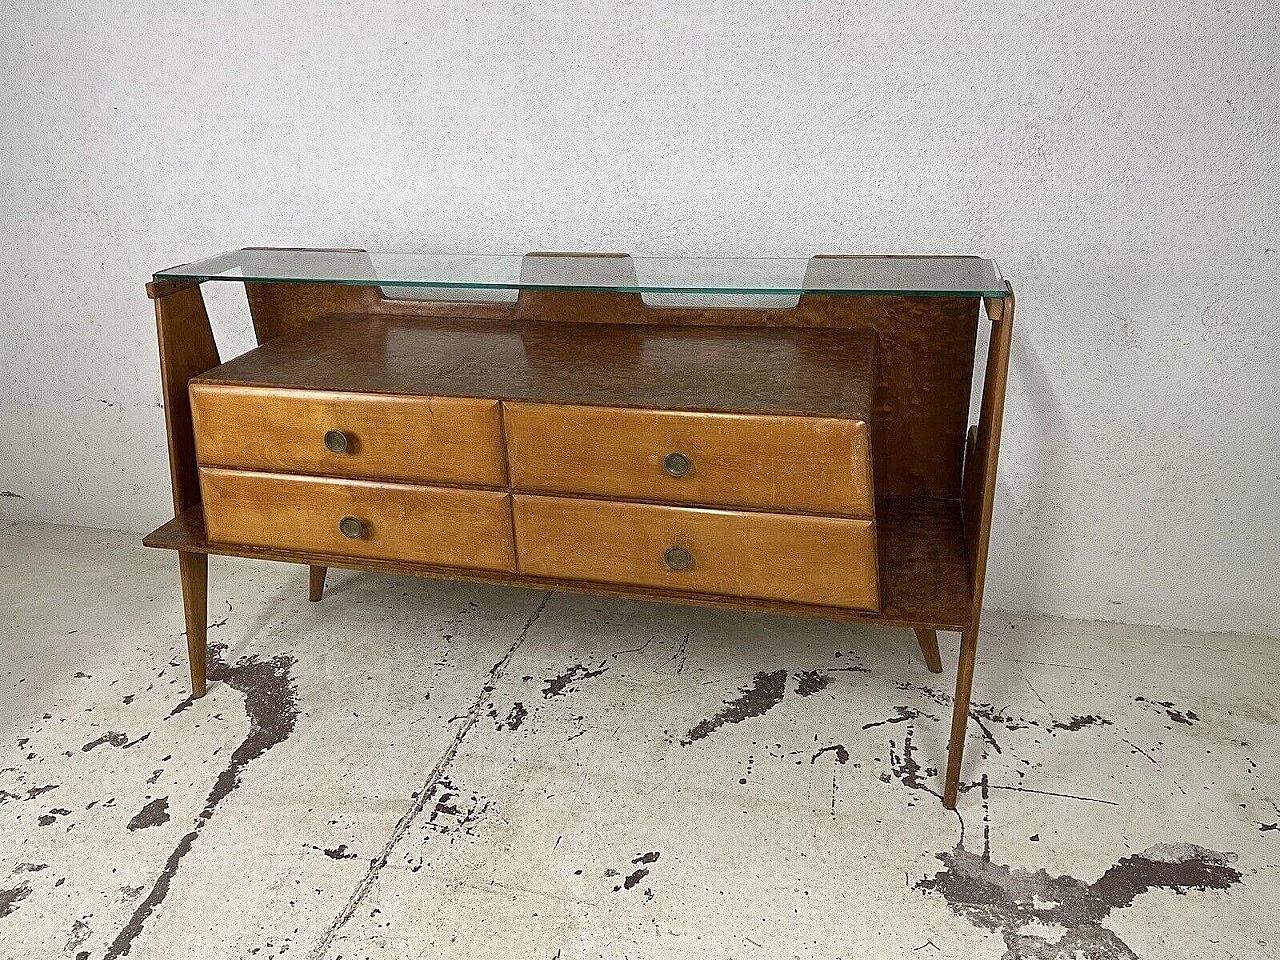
424	793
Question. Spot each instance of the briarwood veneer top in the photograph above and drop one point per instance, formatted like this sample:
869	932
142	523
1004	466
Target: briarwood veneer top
824	372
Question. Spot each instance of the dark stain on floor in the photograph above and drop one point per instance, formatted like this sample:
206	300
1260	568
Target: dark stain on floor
810	682
839	749
634	878
48	819
642	861
114	739
453	812
519	713
271	703
9	898
1008	900
153	814
765	693
558	685
1079	723
1186	717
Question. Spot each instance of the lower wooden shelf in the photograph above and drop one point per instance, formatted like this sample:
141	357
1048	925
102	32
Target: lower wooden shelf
924	573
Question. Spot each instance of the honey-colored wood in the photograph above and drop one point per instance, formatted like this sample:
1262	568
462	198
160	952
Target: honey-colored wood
922	568
418	439
803	559
928	640
193	570
432	525
808	464
315	586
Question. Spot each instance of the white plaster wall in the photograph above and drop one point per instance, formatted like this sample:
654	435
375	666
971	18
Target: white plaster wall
1118	159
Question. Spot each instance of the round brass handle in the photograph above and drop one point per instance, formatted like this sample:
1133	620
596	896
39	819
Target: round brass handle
351	527
677	464
335	441
677	558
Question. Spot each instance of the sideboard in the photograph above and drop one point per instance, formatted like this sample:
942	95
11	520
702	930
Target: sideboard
594	422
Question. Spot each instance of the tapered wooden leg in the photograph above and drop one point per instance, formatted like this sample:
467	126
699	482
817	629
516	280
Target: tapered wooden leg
960	715
317	583
194	569
928	640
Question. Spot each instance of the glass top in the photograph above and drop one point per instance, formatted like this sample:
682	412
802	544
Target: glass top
914	276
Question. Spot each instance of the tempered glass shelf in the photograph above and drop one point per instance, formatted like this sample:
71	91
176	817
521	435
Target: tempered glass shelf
913	276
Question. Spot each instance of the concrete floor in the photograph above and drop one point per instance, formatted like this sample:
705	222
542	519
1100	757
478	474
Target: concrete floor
419	769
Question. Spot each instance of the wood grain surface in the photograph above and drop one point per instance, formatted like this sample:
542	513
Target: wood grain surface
807	464
924	581
817	560
433	525
720	369
426	439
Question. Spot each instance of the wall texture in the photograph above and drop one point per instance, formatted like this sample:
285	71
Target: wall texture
1120	161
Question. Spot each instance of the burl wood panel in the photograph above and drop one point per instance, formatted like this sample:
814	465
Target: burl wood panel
811	464
923	571
431	525
802	559
421	439
277	308
725	369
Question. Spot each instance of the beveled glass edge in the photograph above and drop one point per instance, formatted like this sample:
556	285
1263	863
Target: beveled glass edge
187	272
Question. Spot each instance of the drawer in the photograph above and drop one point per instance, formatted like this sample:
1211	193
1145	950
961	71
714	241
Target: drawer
813	464
801	559
383	437
396	521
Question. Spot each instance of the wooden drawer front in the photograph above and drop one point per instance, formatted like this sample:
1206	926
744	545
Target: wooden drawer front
435	525
802	559
815	464
436	439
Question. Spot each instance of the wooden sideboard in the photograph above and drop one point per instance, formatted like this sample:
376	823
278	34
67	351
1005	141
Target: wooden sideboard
814	459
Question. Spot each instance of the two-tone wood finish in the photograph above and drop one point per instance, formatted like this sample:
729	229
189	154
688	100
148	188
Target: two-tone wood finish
932	520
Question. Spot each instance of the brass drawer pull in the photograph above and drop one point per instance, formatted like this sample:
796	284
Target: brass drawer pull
677	464
351	527
335	441
677	558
